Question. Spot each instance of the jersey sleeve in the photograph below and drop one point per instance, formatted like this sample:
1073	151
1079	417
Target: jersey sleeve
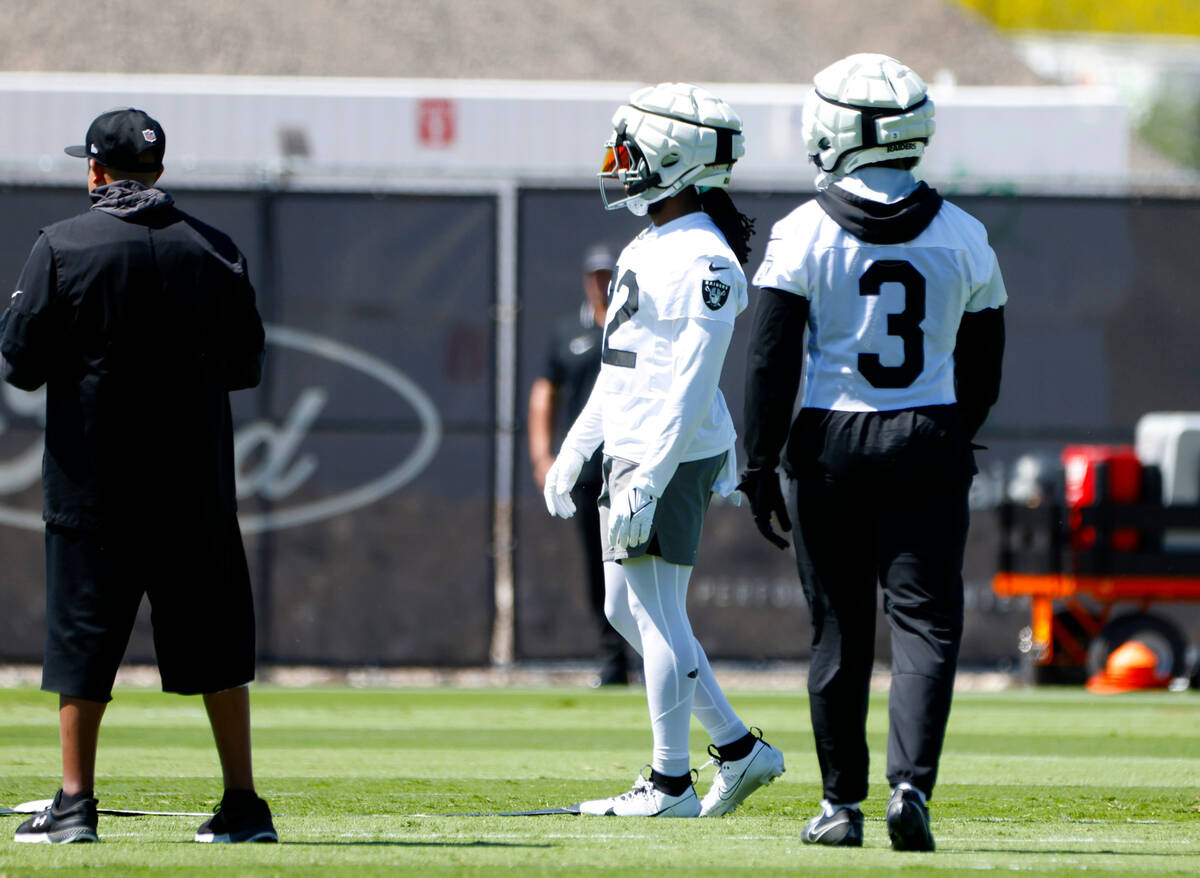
987	282
587	433
989	291
34	322
710	288
783	266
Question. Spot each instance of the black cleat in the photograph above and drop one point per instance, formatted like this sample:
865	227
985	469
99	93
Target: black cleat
836	827
240	818
57	825
908	822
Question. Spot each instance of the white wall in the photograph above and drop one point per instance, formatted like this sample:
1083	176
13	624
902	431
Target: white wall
359	132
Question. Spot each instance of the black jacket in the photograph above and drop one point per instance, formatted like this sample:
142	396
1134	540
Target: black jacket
138	319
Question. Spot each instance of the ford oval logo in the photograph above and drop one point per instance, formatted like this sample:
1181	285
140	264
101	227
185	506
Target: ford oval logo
269	458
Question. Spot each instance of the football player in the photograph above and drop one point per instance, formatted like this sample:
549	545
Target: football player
903	302
667	436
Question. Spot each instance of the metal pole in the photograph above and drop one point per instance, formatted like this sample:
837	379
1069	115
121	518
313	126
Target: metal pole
503	646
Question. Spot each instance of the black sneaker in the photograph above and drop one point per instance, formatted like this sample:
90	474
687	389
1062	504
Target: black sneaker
908	822
837	827
239	818
57	825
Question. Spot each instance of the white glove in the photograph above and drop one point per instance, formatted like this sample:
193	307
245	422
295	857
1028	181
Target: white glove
560	479
631	518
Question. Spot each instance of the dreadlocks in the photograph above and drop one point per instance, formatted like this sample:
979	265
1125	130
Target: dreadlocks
734	225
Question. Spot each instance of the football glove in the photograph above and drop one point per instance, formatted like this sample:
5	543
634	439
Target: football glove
761	488
560	479
631	518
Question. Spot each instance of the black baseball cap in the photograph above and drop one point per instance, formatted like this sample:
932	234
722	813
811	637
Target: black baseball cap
125	139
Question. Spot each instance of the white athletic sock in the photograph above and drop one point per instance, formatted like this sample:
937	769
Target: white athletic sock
657	600
616	605
830	809
709	705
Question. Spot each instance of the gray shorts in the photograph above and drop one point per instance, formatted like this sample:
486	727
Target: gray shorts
679	518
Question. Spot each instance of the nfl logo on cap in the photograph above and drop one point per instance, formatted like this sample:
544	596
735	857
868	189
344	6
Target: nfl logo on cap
125	139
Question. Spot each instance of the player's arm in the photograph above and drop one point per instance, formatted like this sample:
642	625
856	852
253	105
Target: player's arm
587	433
698	347
580	443
543	397
698	351
775	362
32	325
979	347
245	345
978	360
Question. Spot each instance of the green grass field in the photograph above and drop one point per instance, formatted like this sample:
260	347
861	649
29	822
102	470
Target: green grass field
1049	782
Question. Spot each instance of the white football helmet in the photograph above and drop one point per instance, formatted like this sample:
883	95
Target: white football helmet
668	137
863	109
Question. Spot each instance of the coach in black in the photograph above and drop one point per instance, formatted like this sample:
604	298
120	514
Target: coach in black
903	301
572	364
139	319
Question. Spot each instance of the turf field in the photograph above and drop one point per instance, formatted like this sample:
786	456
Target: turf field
1049	782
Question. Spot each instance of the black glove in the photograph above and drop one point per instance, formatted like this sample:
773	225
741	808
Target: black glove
761	488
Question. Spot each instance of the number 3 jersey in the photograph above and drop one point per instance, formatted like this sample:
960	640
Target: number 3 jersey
883	317
675	294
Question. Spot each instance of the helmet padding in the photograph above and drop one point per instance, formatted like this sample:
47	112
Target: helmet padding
864	109
677	135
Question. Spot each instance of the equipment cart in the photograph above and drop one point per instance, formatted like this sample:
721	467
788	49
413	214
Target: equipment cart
1094	560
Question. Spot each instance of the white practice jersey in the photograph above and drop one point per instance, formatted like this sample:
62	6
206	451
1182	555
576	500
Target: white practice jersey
675	294
883	318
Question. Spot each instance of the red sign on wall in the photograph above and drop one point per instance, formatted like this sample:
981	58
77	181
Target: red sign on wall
436	124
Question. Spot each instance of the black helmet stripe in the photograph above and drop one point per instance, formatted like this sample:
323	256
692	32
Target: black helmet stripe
724	146
870	115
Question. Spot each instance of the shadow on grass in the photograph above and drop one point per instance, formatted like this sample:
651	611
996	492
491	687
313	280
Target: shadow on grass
398	843
414	844
1059	852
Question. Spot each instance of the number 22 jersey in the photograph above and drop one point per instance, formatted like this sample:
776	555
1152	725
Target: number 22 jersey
675	294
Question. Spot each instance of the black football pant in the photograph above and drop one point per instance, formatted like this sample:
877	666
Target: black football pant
903	526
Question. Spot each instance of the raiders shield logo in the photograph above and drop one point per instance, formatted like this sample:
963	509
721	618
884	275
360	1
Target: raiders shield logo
715	293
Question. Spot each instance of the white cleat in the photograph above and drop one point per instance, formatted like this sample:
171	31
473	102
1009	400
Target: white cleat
738	778
644	800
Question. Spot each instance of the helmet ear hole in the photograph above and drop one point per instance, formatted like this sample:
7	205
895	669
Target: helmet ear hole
670	159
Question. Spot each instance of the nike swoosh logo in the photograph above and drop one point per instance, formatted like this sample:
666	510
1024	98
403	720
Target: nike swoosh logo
715	268
825	829
17	293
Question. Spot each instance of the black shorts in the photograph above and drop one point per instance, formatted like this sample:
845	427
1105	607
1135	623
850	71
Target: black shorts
201	607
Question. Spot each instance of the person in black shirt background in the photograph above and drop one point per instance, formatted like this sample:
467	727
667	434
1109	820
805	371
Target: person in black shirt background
139	320
570	371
